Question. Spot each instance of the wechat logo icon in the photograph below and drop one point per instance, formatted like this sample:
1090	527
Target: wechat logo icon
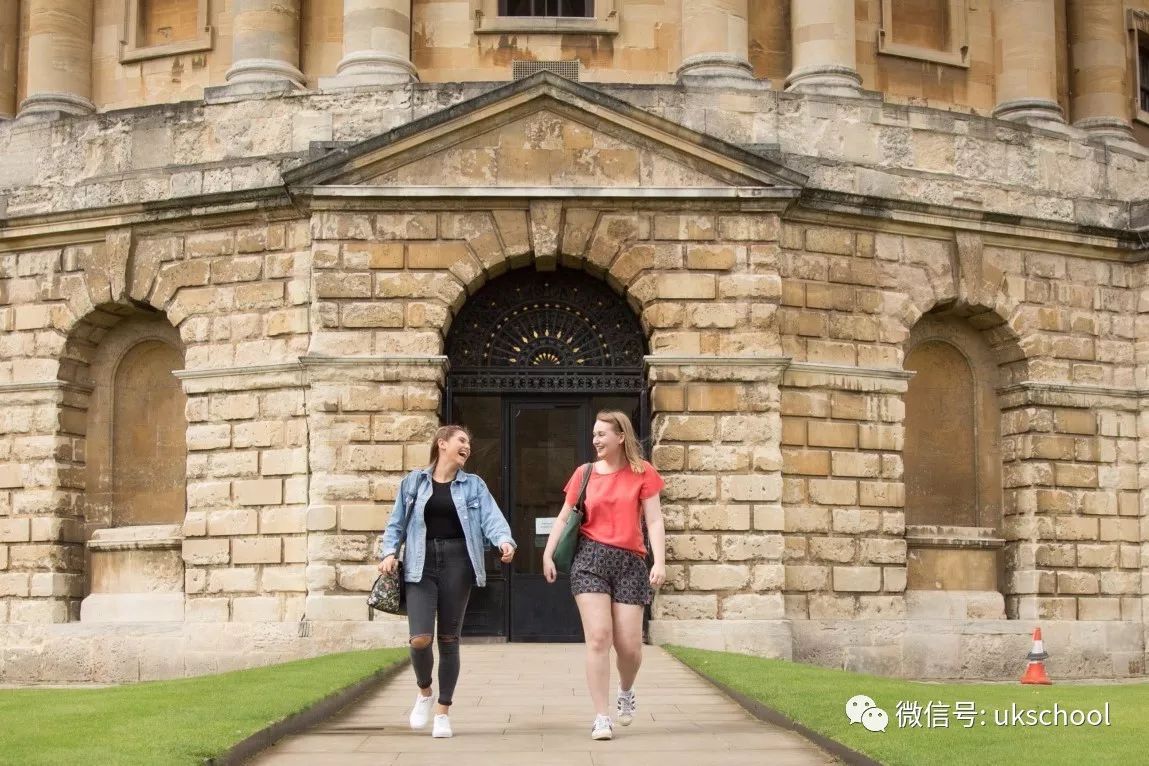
861	709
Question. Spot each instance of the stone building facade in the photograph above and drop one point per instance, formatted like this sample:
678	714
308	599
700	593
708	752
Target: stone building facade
874	273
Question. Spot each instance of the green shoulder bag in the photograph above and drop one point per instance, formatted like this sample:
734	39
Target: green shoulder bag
568	540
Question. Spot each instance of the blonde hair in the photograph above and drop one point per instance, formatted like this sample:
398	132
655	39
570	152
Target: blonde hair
631	449
444	433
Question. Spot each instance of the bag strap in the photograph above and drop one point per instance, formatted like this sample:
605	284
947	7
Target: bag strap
582	490
407	526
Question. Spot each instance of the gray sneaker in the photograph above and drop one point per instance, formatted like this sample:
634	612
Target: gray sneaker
602	728
627	705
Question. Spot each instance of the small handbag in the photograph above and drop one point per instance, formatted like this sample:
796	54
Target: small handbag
388	594
568	539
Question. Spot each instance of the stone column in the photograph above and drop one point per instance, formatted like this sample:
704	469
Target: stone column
59	57
1026	62
42	529
1099	71
354	477
824	48
376	44
9	53
716	43
265	46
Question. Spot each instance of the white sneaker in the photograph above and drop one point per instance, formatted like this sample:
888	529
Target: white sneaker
421	712
627	705
602	728
442	727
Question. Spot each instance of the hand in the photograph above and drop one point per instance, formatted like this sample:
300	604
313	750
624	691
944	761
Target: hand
508	553
657	575
550	571
387	565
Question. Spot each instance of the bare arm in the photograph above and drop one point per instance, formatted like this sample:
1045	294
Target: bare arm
656	529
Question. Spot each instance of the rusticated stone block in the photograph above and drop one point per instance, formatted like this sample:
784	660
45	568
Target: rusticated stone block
234	580
718	517
857	578
807	578
754	606
256	550
684	427
718	577
685	607
692	547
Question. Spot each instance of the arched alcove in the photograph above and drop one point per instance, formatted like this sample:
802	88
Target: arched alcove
953	468
941	435
134	463
149	447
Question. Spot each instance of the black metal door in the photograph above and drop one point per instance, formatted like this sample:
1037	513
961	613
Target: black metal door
487	608
525	448
546	440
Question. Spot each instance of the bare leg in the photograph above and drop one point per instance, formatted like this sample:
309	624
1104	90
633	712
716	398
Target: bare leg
627	642
594	609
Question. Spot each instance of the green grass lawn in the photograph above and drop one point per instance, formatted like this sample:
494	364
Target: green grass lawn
169	722
816	697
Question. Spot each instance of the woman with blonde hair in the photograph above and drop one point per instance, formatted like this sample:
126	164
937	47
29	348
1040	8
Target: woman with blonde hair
609	577
444	515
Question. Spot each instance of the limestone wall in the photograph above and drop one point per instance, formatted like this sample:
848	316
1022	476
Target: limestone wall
915	79
646	48
1063	329
784	494
312	325
166	78
856	146
940	54
237	300
243	308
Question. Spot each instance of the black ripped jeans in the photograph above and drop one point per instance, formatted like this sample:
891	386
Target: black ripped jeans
444	589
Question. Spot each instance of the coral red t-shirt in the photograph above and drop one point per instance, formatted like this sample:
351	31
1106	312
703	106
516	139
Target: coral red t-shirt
614	504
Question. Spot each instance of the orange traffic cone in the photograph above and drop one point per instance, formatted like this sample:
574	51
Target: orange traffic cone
1035	673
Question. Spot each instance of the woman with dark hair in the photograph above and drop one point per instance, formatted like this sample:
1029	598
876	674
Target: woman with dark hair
444	515
609	577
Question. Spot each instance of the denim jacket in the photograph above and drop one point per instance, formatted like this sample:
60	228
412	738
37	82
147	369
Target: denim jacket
478	512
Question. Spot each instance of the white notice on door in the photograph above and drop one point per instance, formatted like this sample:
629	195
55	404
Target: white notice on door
544	526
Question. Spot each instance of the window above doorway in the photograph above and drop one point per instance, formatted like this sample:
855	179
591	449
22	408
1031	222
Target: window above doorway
157	28
1139	26
580	9
927	30
595	17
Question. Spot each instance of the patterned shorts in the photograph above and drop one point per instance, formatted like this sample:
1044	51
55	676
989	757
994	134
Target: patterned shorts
600	568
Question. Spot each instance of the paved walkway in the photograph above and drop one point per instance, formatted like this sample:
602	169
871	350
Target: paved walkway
530	700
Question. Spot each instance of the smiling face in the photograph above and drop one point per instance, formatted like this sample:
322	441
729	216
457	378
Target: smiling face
454	451
607	441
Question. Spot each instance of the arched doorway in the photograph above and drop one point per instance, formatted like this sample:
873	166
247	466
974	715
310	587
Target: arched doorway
533	356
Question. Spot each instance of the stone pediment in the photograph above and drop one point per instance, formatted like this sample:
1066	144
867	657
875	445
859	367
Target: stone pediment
544	131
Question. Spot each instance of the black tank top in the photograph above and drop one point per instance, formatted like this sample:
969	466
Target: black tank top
440	514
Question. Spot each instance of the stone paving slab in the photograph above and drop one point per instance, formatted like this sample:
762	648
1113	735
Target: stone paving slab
530	699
